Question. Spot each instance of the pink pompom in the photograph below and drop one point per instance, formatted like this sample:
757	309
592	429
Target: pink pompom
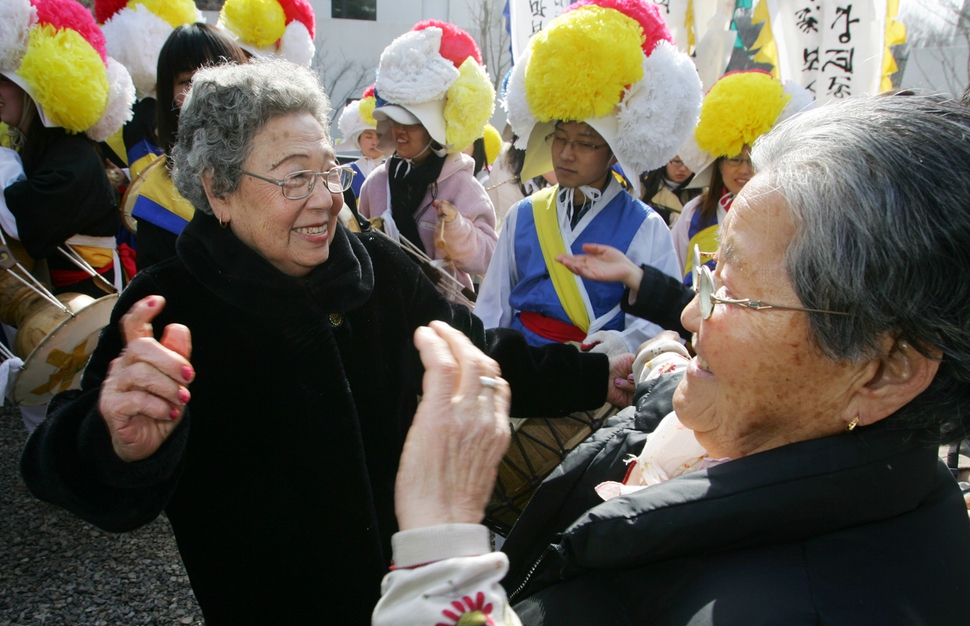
301	11
456	44
369	91
104	10
71	14
646	13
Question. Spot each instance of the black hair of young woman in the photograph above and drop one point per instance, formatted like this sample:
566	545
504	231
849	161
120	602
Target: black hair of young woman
188	48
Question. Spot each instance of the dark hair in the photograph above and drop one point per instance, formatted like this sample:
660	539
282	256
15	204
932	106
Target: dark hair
187	49
651	182
712	196
39	138
478	153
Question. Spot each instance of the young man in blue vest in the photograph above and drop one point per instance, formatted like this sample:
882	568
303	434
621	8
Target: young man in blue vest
589	206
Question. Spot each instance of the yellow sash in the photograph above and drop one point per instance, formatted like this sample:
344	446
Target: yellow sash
154	183
666	199
550	240
706	239
117	143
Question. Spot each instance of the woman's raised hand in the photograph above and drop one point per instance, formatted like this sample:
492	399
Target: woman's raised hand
145	392
603	263
459	434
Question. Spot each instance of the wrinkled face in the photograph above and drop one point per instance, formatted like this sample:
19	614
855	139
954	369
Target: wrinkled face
580	155
183	83
368	144
677	172
12	99
411	141
737	171
293	235
758	381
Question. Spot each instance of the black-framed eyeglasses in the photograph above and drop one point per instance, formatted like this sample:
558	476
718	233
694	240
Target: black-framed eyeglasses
576	146
299	185
705	289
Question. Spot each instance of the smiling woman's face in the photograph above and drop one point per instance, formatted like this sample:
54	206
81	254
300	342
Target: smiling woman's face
758	380
293	235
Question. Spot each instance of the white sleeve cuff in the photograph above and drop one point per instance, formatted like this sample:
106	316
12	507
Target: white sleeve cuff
435	543
11	171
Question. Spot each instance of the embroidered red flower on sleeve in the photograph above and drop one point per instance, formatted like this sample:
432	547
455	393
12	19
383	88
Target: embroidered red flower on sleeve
469	612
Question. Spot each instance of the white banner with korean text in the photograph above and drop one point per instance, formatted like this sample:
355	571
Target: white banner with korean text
834	48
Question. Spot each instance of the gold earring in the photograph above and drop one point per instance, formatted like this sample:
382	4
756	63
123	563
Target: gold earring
851	425
221	223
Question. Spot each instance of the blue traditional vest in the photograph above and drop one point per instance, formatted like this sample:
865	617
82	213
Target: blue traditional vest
616	225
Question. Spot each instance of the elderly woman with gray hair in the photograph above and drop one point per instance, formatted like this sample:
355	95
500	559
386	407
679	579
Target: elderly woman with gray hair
258	387
787	473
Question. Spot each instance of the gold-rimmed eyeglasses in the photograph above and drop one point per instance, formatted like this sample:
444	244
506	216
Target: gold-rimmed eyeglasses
299	185
705	289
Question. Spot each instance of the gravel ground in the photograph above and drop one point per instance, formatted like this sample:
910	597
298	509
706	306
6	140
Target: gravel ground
57	569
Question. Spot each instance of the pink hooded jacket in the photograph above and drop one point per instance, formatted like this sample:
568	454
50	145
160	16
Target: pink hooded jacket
469	238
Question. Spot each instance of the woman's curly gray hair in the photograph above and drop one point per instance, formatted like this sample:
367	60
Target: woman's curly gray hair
227	107
879	189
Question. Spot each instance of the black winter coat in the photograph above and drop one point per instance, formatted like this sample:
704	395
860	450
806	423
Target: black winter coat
860	528
279	481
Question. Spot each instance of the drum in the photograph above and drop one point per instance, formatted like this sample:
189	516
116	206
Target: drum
54	341
538	445
57	359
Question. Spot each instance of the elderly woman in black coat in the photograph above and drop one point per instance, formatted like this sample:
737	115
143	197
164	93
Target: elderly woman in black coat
258	387
786	474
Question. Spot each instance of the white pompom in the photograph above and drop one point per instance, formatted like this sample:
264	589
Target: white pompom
351	124
658	112
121	96
412	71
16	18
515	104
134	37
801	100
296	45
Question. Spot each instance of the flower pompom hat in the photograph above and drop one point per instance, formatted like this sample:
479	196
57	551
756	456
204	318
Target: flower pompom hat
739	108
433	75
136	30
54	50
613	65
357	117
271	28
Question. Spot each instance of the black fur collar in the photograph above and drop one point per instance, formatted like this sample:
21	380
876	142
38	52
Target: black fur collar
239	275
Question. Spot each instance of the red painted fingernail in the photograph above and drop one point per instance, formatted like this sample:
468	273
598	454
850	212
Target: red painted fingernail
174	414
188	373
151	303
630	378
184	395
619	381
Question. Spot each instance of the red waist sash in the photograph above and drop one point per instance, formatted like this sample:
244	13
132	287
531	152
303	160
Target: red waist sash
551	329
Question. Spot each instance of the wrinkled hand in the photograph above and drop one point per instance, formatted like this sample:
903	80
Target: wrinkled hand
145	392
447	212
620	392
459	434
603	263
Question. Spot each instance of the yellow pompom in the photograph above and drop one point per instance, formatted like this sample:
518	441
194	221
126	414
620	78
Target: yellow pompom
738	109
367	110
175	12
493	143
581	64
470	102
67	76
257	22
